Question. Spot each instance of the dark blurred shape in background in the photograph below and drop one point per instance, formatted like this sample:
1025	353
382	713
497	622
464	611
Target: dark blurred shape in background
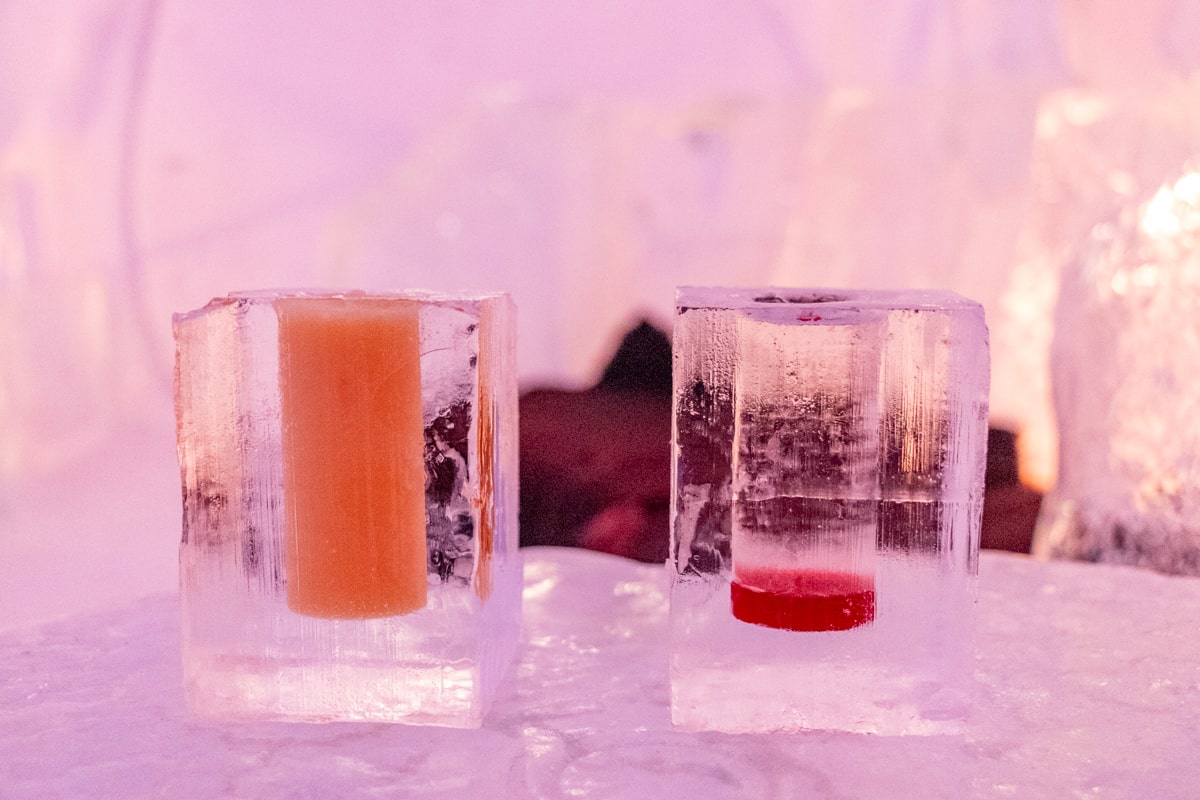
596	464
1010	508
641	365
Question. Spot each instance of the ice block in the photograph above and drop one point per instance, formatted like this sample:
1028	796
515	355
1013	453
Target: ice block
829	452
349	478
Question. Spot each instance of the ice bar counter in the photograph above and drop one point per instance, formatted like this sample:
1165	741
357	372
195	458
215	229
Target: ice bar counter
829	454
349	473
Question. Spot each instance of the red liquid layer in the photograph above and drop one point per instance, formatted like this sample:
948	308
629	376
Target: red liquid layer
803	600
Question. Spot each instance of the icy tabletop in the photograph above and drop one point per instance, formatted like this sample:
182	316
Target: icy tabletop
1087	683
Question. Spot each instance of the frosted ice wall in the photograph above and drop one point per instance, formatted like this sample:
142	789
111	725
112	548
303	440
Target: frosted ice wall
589	159
1111	137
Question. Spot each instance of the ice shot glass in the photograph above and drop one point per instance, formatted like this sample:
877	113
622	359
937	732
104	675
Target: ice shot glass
349	477
828	461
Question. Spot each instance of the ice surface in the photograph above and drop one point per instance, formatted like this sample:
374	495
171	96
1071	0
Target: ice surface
828	473
1127	392
1082	688
246	652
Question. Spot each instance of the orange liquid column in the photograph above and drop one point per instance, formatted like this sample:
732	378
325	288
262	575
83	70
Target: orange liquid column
354	477
486	431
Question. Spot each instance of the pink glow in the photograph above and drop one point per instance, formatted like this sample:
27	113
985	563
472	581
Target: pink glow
585	157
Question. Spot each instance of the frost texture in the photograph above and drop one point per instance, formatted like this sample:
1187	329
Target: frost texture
833	443
1127	394
245	653
1073	663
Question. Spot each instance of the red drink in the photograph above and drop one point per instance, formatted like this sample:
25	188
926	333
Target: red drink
803	600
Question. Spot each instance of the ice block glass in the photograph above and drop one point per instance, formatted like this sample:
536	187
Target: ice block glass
829	452
349	479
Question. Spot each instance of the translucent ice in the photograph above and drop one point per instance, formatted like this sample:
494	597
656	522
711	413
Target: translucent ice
349	485
1127	393
828	473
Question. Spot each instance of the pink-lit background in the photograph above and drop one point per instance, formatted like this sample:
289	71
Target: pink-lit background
587	157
